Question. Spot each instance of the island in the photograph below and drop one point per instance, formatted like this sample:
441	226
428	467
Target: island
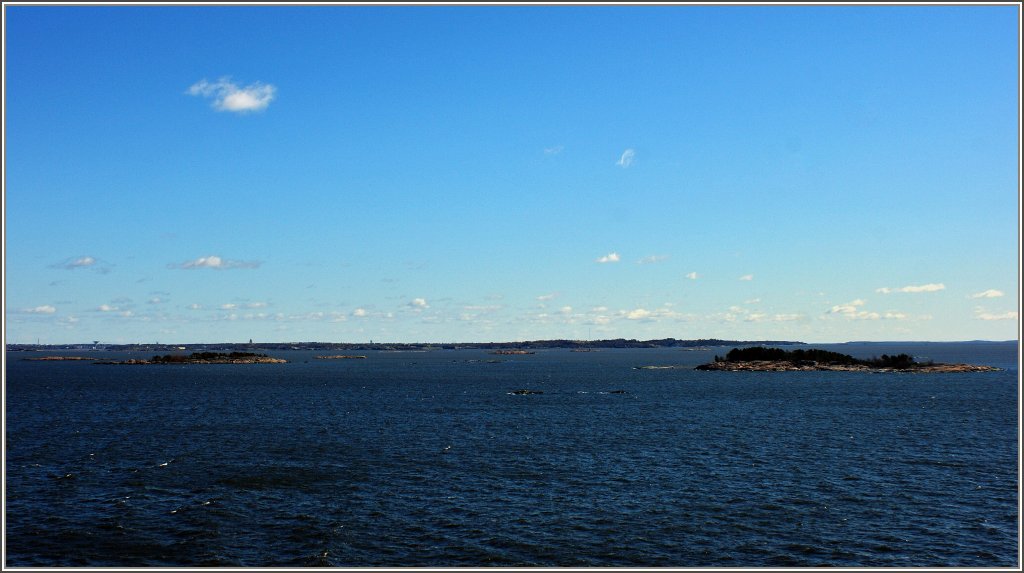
204	358
341	357
761	359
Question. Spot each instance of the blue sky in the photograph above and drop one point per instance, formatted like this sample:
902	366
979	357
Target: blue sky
491	173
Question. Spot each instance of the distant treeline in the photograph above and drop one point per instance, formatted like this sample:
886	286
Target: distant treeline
814	355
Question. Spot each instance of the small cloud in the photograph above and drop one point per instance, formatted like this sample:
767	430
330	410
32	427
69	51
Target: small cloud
228	306
107	308
931	287
747	278
227	96
44	309
156	300
851	310
547	297
982	314
609	258
553	150
649	259
639	314
565	310
626	159
787	317
692	276
194	306
83	262
990	293
215	262
359	312
419	304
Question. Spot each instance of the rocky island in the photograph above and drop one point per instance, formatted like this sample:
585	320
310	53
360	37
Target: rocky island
204	358
761	359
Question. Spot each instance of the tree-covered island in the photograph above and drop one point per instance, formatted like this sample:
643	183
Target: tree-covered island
765	359
205	358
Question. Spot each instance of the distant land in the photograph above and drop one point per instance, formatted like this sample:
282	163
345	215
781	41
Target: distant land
520	345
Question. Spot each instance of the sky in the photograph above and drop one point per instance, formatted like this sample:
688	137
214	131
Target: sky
325	173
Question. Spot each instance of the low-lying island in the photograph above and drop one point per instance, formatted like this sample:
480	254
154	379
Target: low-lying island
204	358
761	359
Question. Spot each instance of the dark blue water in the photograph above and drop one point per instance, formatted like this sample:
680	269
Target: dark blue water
425	459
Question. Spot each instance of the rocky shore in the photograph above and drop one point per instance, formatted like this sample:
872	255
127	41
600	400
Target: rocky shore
790	366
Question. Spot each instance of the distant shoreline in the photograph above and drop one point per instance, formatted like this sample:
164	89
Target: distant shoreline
347	346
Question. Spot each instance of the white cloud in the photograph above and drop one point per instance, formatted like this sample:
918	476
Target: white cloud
547	297
83	262
851	310
645	315
107	308
990	293
553	150
931	287
652	259
982	314
692	276
609	258
565	310
747	278
156	300
44	309
419	304
627	158
639	314
194	306
227	96
359	312
228	306
215	262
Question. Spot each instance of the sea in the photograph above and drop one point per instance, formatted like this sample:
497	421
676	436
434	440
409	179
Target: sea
434	459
